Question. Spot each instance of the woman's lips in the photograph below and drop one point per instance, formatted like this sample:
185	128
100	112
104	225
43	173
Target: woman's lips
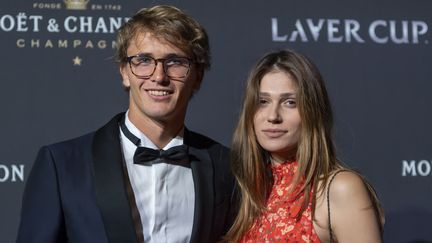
274	133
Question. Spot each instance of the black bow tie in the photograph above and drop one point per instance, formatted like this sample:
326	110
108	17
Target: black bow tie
147	156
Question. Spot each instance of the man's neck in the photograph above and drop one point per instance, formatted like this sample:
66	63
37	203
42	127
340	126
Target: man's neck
159	132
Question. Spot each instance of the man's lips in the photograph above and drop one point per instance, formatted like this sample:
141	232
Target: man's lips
159	93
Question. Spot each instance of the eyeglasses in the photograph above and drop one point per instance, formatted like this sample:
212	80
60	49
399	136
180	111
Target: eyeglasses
144	66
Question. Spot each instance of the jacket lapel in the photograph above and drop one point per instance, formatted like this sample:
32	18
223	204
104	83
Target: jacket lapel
202	171
109	181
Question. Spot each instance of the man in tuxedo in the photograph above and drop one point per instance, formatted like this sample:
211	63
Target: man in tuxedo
143	177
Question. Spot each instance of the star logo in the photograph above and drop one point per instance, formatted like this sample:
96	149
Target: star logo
77	61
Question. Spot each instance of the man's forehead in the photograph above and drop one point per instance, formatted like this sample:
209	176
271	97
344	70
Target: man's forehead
146	39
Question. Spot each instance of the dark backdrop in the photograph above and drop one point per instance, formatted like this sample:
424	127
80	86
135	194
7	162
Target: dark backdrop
374	55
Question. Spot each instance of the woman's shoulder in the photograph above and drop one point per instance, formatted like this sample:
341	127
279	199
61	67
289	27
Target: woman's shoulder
346	187
350	207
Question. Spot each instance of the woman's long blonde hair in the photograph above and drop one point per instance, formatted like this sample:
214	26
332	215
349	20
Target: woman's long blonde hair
315	152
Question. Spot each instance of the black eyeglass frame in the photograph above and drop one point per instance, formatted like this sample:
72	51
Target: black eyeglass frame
156	61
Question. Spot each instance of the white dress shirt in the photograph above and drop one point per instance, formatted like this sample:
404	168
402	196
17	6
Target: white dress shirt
164	193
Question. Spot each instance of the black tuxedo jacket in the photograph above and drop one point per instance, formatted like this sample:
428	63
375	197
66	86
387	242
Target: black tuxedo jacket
76	191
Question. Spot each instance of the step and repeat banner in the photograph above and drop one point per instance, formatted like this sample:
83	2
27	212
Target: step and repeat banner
59	80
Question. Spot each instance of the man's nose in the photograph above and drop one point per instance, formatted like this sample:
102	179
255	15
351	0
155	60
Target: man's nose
159	74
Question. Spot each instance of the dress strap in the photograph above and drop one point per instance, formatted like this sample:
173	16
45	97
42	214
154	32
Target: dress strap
328	203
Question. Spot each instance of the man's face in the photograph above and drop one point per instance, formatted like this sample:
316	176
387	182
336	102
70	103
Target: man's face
158	97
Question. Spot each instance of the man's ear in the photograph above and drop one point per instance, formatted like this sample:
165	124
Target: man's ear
124	74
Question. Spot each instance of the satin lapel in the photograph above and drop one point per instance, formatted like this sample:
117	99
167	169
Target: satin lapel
202	171
110	185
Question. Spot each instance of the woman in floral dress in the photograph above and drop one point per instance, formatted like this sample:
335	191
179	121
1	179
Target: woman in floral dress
292	188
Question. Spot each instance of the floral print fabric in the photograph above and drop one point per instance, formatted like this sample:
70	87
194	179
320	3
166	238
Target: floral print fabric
278	223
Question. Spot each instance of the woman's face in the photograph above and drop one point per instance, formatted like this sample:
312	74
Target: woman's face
277	121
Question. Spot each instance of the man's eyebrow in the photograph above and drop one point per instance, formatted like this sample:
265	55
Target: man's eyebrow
173	54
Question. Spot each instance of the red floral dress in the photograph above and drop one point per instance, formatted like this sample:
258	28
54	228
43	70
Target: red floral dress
278	223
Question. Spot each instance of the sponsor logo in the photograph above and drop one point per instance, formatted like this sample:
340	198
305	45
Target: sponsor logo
350	31
76	4
414	168
69	25
12	173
